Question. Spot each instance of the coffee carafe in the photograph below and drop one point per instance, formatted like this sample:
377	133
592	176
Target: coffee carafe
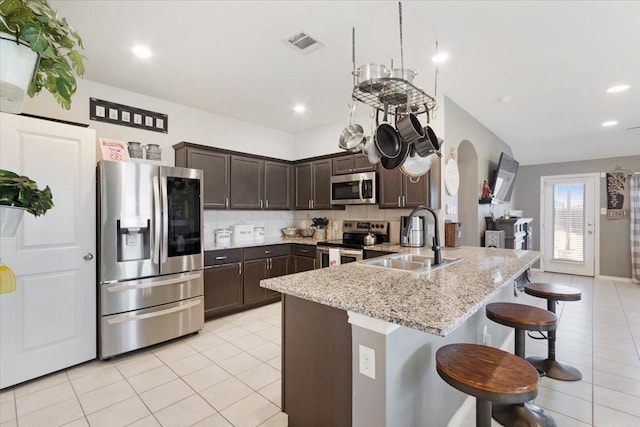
415	238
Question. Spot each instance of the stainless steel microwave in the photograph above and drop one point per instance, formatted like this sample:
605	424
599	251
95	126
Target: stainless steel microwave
354	189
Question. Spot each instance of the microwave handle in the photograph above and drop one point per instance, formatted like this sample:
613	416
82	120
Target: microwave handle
360	188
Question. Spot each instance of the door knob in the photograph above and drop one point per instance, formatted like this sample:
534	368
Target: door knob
88	257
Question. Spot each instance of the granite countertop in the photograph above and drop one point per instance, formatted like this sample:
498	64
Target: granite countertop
436	302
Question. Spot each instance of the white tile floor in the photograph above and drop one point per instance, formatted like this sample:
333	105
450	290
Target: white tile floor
229	374
599	335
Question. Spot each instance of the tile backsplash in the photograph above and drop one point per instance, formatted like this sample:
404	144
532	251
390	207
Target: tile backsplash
275	220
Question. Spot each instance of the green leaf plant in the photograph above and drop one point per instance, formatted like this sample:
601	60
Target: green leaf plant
56	42
22	192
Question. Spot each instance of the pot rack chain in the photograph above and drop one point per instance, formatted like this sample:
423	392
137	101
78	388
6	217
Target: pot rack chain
397	93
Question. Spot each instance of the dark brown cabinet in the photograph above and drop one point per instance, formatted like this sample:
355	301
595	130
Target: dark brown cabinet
303	258
246	183
223	282
352	163
313	187
216	177
260	184
278	185
263	262
399	191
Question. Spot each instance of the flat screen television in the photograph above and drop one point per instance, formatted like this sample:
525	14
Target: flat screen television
504	178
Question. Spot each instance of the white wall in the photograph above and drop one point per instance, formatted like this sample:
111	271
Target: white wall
185	123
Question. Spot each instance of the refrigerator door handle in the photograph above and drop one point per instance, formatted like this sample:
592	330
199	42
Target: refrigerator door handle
125	287
157	223
131	318
165	219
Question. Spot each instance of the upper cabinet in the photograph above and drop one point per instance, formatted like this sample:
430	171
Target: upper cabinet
351	163
400	191
313	186
216	176
239	182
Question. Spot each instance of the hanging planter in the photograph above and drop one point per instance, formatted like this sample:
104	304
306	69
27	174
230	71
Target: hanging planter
19	194
17	68
10	217
35	25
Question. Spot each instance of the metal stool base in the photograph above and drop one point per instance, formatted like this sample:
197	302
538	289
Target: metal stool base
524	415
556	370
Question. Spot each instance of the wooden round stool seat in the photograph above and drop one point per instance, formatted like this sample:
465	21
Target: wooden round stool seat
549	365
555	292
489	374
522	318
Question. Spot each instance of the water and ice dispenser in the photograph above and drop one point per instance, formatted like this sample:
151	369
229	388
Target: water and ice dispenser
133	239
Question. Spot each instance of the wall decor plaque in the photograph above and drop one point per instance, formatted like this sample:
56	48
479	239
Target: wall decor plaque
124	115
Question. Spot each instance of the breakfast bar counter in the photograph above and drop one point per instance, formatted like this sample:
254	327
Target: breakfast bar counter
359	341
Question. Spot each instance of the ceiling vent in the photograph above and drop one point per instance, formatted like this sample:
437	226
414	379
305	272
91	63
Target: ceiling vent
304	42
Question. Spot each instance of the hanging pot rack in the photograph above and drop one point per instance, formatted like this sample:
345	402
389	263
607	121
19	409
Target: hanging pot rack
397	94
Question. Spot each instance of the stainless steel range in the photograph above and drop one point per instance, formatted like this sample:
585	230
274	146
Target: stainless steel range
150	281
351	246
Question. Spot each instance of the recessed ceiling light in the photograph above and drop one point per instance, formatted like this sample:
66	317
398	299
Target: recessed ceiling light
141	51
439	58
618	88
505	98
299	108
609	123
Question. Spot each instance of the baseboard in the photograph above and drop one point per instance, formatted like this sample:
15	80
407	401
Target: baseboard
458	418
617	279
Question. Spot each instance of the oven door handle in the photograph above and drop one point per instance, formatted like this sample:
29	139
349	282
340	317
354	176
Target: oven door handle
361	189
350	252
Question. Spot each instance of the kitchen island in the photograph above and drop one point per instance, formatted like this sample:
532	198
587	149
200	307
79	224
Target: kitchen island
403	317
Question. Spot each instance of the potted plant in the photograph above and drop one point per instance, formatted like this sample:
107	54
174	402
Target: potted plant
320	223
18	194
36	24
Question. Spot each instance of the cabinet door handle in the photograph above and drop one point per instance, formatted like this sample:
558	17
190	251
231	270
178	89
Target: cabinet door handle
309	204
304	251
221	257
404	201
226	202
313	204
266	203
399	203
239	268
260	204
267	252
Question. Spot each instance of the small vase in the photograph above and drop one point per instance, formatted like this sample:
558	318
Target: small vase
10	217
321	234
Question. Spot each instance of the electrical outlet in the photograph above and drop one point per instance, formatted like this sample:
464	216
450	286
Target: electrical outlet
368	361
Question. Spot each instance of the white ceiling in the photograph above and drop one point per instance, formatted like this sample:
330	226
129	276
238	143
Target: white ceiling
554	59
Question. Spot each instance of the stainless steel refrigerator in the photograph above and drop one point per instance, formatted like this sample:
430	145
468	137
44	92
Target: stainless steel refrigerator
150	280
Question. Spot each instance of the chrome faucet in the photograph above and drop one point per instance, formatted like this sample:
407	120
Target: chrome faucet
437	253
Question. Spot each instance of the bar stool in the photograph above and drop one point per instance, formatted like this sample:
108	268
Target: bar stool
523	318
489	374
550	366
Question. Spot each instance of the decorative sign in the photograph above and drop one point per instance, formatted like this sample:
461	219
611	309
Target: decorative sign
123	115
617	195
114	150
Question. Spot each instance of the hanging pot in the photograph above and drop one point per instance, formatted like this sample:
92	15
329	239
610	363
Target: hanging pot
17	68
428	144
410	128
392	163
387	139
369	76
415	166
352	137
371	151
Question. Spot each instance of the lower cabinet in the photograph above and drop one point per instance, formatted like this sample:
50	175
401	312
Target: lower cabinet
232	277
303	257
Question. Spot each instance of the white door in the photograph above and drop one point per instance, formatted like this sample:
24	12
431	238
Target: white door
568	208
49	323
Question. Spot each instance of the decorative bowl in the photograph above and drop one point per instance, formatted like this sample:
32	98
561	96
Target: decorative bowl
307	232
289	231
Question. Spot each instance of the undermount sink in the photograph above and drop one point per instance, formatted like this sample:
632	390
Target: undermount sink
409	262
